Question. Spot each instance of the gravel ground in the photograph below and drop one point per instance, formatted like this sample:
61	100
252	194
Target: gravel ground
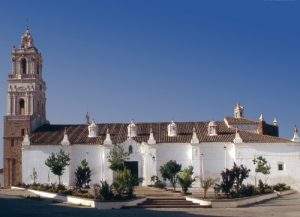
12	205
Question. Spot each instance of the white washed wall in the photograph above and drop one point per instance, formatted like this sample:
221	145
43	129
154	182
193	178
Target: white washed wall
287	153
34	157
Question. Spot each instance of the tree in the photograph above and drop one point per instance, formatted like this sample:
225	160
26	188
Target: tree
240	173
34	176
117	157
206	183
185	178
232	180
261	166
169	172
83	174
57	163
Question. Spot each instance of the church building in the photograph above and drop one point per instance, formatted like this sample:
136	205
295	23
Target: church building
208	146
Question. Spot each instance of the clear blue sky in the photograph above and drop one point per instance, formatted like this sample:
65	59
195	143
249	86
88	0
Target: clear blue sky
161	60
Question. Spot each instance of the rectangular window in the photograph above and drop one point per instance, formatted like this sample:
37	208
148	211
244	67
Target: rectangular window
12	142
22	132
280	166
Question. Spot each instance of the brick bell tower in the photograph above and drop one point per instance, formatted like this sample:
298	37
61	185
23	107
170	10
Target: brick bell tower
26	105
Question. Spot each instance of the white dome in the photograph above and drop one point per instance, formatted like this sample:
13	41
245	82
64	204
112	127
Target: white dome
212	124
212	128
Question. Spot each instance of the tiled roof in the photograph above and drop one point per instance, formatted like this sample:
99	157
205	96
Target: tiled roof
240	121
78	134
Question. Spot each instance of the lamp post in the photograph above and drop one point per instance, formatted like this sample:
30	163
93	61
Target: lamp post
202	167
225	157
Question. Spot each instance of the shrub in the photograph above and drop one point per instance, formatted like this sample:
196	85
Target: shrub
83	174
206	183
57	163
247	190
281	187
232	180
124	184
264	188
185	178
105	191
157	182
169	172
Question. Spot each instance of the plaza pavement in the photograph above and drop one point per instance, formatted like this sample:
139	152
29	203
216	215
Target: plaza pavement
14	206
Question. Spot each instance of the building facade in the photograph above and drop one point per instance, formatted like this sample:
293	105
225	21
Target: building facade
208	146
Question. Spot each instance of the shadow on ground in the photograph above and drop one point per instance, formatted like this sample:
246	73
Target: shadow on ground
18	207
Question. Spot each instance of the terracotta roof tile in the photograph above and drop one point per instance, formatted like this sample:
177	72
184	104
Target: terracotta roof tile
78	134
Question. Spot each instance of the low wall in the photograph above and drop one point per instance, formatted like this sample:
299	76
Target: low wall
201	202
242	201
85	202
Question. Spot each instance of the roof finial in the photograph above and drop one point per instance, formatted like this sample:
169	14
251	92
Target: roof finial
275	122
296	137
87	118
261	117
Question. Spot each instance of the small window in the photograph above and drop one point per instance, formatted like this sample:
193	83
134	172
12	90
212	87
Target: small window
280	166
22	132
12	142
130	149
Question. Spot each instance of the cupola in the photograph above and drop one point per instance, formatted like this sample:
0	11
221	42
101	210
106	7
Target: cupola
131	130
172	129
239	111
93	130
212	128
27	40
275	122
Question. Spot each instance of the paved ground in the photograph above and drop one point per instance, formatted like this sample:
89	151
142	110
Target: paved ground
13	206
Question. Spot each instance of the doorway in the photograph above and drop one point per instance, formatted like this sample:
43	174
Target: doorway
133	166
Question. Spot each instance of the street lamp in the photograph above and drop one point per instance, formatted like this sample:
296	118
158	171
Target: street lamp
225	157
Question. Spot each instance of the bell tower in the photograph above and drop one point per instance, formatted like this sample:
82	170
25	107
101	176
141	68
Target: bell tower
26	104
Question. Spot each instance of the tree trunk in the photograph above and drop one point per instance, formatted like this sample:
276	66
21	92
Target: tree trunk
59	181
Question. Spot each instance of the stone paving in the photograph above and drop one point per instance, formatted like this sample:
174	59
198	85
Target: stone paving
15	206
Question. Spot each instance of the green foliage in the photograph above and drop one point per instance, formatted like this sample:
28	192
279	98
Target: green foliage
83	174
124	184
240	173
232	180
261	166
264	188
105	191
185	178
117	157
157	182
281	187
169	172
57	163
207	183
247	191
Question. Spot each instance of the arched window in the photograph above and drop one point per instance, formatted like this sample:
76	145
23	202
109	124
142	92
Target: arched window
22	106
23	66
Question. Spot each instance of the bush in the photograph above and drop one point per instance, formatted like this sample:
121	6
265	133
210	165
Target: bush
105	191
264	188
281	187
169	172
83	174
232	180
247	190
124	184
206	183
157	182
185	179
